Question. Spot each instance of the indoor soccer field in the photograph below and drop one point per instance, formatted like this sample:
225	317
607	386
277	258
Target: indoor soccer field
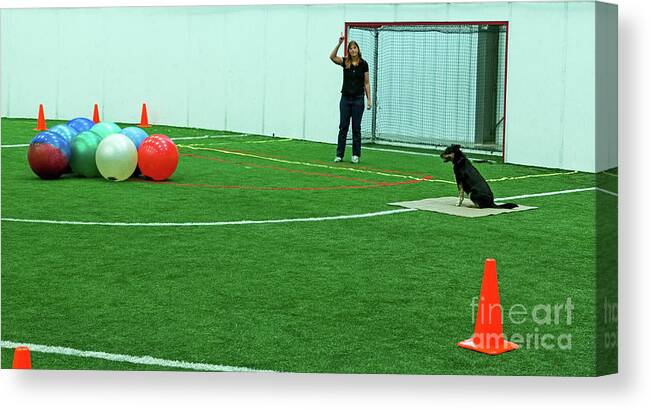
261	253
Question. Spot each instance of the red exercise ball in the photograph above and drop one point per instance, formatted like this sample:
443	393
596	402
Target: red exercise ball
49	155
158	157
47	161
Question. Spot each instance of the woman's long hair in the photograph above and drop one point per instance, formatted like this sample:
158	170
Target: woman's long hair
348	60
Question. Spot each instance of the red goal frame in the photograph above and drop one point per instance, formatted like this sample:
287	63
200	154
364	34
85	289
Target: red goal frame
370	24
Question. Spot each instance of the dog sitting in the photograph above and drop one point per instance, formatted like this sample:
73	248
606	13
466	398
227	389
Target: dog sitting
470	181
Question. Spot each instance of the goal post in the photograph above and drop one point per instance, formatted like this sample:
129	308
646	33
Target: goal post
435	83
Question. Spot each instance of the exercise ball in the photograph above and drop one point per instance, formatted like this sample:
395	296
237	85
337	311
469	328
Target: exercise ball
116	157
48	155
83	150
158	157
67	132
104	129
81	124
135	134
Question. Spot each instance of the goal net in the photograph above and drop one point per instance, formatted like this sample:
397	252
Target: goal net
434	84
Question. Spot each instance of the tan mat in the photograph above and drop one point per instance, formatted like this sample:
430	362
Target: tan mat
448	205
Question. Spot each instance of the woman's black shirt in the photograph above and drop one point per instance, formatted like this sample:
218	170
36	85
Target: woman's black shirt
353	85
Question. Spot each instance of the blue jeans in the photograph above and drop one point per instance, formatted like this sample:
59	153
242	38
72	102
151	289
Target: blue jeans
350	107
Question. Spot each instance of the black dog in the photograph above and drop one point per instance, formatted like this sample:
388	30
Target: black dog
470	181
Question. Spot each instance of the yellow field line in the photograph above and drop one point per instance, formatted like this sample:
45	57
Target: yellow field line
214	136
250	142
310	164
532	176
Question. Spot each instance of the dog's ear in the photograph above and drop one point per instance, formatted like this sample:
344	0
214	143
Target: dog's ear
456	147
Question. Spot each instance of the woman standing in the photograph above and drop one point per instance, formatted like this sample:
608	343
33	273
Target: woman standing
351	105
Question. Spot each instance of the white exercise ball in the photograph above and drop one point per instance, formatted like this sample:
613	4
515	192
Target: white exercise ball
116	157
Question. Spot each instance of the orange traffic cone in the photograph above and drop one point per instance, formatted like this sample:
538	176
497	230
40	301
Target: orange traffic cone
488	337
144	120
95	114
21	358
40	123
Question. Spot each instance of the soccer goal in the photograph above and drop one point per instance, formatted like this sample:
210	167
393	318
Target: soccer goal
435	83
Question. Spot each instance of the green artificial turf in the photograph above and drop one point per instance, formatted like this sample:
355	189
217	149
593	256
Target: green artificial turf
387	294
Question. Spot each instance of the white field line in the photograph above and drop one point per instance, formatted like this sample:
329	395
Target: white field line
277	221
434	150
146	360
220	223
607	192
425	154
568	191
15	146
310	164
399	151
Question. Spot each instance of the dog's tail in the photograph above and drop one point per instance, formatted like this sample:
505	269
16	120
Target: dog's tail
506	206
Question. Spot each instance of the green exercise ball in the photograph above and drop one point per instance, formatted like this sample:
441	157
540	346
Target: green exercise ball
82	161
104	129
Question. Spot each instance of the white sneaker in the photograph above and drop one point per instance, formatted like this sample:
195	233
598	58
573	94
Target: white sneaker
337	159
355	159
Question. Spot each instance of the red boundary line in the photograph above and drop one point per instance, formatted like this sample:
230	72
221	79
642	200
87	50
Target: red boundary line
373	184
259	188
422	23
506	64
320	174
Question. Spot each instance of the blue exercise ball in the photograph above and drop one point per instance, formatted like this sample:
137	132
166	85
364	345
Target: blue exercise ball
81	124
67	132
54	139
135	134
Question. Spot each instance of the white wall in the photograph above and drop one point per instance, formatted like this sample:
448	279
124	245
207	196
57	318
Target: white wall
265	69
